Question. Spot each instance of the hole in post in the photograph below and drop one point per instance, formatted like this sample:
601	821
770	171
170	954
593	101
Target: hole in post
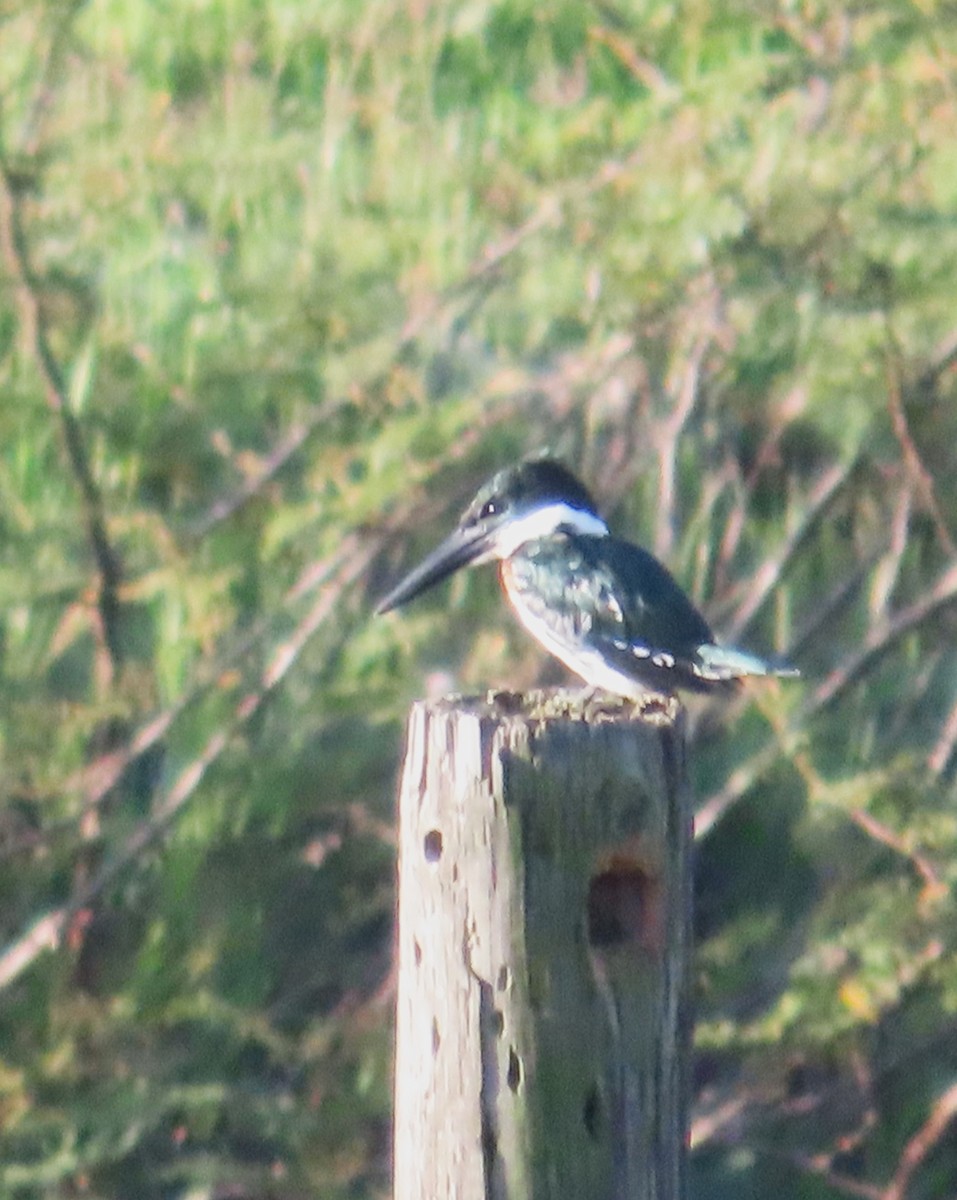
436	1036
513	1076
504	978
591	1112
625	907
489	1148
417	951
433	845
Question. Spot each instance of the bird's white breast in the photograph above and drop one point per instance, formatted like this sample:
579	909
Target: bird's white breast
587	663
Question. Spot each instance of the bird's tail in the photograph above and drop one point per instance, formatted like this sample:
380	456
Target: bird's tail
720	663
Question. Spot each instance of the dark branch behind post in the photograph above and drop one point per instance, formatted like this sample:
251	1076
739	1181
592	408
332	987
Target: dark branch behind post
17	260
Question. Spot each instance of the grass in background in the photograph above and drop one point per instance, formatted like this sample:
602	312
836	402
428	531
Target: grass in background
285	281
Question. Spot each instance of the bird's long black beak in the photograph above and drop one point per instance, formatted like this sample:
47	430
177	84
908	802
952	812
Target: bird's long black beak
462	547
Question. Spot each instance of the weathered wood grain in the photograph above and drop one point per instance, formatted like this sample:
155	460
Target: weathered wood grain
542	1020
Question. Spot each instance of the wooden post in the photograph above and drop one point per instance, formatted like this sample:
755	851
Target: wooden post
542	1021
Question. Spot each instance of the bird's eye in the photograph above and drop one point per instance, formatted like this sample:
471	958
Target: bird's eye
489	509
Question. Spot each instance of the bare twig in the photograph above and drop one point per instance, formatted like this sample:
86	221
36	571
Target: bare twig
768	455
830	608
942	1116
714	485
721	1117
820	1165
279	457
763	583
46	74
97	778
735	1118
730	540
548	214
880	640
738	784
684	397
922	478
943	751
888	569
943	358
351	560
643	69
47	933
880	832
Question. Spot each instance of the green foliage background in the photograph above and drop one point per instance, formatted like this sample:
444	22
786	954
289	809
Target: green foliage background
281	283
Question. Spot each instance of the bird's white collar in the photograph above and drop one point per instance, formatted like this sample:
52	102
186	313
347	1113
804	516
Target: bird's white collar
542	522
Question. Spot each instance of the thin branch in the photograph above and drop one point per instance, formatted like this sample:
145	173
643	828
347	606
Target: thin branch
888	569
939	758
942	1116
668	435
880	832
13	246
47	75
494	254
819	788
820	1165
293	441
642	69
352	559
721	1117
943	358
880	640
730	540
715	484
737	1119
278	458
768	576
923	480
738	784
48	932
829	610
913	702
490	258
97	778
477	277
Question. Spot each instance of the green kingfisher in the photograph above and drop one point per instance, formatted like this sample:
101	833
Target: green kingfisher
608	609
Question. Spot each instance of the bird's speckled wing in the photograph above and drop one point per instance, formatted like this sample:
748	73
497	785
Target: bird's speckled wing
600	600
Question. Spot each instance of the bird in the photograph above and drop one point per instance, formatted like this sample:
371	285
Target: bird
608	609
